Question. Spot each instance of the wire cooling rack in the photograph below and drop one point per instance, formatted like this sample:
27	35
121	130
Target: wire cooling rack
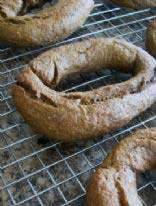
36	171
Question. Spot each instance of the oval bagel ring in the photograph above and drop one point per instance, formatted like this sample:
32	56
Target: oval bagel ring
114	182
83	115
47	26
136	4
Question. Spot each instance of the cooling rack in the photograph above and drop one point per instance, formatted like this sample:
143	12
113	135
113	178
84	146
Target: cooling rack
36	171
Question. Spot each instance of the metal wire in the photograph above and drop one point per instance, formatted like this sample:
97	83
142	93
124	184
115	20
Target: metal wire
37	171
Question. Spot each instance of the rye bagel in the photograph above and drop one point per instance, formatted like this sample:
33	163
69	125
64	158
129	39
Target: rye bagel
82	115
47	26
114	182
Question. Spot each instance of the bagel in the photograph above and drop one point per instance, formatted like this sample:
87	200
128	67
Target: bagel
83	115
48	26
136	4
14	7
114	182
151	38
10	8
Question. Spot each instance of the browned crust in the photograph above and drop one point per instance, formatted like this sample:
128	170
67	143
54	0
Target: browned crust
114	182
83	115
151	38
48	26
136	3
11	8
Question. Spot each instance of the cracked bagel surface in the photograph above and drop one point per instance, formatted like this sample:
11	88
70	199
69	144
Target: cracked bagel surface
114	182
83	115
47	26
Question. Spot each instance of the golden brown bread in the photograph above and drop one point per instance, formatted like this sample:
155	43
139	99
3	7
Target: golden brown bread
11	8
82	115
48	26
136	3
151	38
114	182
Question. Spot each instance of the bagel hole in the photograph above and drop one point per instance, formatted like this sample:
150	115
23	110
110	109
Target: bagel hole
92	81
89	81
145	178
106	78
35	6
146	183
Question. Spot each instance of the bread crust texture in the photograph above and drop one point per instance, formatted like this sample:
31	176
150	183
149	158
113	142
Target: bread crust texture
45	27
114	182
84	115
